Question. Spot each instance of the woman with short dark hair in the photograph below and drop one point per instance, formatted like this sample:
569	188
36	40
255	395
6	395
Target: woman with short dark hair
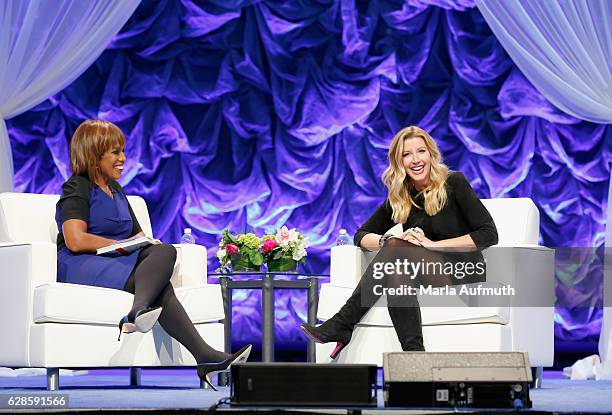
93	212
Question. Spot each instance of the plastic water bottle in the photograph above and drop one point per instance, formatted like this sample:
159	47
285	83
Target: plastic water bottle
343	238
187	237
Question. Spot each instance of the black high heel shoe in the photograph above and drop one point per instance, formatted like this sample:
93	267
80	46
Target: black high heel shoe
144	320
326	333
207	370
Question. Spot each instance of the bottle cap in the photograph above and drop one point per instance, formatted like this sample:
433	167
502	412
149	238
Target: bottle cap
187	230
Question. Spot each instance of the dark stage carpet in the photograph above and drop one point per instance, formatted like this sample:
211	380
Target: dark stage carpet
177	391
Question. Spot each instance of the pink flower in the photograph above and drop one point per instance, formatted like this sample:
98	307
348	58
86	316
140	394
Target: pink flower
269	245
231	249
284	235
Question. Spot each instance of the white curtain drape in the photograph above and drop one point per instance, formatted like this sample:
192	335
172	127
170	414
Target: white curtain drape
44	46
564	48
605	338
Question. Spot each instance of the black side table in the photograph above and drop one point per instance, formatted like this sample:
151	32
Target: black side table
267	282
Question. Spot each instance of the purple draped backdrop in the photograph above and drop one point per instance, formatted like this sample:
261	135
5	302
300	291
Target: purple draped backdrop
249	115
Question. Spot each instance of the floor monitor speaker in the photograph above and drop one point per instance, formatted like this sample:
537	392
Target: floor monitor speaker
303	384
481	380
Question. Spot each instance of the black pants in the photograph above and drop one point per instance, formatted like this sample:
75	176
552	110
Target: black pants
404	309
150	284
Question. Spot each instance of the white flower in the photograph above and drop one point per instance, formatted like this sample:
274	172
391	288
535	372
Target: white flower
293	235
291	242
304	243
221	253
299	253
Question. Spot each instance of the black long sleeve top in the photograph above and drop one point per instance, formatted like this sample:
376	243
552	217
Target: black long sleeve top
463	214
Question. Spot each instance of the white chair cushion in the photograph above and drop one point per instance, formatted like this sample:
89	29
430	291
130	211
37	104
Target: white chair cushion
332	298
517	220
82	304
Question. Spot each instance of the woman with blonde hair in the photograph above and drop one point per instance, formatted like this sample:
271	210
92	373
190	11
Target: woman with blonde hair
93	212
443	222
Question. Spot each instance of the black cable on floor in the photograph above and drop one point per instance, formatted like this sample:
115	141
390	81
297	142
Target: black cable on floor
222	401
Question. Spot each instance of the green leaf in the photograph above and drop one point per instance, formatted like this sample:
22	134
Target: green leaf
278	254
257	259
232	238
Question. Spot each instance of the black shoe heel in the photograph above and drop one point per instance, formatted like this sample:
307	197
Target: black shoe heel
206	378
121	323
125	326
207	370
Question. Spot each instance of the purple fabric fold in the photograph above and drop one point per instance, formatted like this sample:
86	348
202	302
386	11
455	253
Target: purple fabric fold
250	115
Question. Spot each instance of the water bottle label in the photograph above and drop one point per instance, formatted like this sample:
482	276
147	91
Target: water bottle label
343	238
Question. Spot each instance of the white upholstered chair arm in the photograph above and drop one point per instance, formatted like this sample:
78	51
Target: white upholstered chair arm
530	270
25	265
524	246
345	265
190	268
41	258
530	267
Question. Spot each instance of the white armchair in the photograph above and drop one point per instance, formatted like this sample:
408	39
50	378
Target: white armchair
57	325
516	260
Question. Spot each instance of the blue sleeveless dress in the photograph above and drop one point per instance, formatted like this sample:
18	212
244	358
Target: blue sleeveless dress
109	218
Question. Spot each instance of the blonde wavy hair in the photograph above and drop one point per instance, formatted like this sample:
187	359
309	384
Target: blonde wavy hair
89	142
399	184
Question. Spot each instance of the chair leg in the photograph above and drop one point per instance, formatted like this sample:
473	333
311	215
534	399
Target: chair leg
223	379
135	379
537	373
52	378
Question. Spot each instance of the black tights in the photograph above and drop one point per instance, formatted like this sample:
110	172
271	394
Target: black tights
150	284
404	309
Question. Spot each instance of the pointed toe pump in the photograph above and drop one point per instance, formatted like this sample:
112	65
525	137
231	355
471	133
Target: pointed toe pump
206	371
144	320
323	334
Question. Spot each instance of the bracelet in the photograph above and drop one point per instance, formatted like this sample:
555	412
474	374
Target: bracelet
383	239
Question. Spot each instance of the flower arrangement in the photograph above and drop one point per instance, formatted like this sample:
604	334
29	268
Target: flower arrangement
246	252
284	250
241	251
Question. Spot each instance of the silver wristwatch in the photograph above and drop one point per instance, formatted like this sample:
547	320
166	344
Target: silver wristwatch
383	239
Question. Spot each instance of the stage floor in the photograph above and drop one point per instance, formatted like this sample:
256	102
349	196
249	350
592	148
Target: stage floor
179	389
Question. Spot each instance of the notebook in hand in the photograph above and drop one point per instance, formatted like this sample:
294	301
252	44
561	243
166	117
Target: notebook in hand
396	231
127	246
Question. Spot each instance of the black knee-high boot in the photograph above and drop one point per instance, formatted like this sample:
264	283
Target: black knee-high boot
407	324
404	310
339	328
